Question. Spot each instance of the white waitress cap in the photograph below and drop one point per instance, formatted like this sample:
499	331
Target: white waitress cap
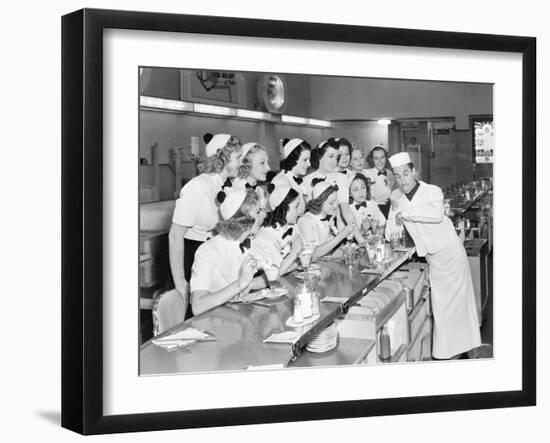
291	145
217	142
400	159
278	195
247	147
321	187
234	198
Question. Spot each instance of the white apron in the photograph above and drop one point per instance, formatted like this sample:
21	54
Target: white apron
456	326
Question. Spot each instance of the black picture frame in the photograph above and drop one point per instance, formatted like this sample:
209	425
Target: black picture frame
82	218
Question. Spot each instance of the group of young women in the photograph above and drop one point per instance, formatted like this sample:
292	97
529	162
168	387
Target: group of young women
230	222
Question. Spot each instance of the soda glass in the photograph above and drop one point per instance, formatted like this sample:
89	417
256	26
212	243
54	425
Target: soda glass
272	274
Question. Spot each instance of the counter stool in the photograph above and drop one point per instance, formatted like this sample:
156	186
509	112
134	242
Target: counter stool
168	310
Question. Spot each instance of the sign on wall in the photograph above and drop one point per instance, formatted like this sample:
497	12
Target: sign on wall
484	141
213	87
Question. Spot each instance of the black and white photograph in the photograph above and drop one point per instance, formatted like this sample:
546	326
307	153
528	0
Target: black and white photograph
290	221
266	222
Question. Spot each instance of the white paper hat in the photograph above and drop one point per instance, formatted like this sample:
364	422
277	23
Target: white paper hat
400	159
234	198
321	187
278	195
291	145
217	142
247	147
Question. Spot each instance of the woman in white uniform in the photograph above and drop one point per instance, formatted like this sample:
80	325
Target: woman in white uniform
196	212
223	267
344	160
317	224
253	171
381	178
278	242
357	162
294	165
365	211
324	159
419	207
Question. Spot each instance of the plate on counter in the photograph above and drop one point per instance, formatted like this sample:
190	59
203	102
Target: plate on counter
306	321
274	293
320	350
313	272
325	340
262	294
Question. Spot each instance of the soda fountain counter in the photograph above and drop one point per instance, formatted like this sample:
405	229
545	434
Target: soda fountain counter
381	315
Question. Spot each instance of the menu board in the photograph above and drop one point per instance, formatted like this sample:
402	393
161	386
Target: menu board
484	141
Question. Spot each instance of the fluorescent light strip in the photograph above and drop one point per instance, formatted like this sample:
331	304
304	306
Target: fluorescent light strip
384	121
256	115
200	108
166	104
316	122
215	110
294	120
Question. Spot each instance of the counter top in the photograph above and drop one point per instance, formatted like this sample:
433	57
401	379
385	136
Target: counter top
241	328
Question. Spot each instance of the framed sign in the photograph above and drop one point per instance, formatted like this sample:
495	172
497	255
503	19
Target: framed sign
213	87
483	136
103	52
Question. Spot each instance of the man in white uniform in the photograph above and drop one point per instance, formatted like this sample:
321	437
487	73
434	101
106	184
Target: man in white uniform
381	178
419	207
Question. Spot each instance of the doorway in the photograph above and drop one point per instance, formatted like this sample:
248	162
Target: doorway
432	146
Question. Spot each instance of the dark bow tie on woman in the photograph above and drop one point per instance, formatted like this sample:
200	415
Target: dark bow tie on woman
288	233
227	184
245	244
359	205
327	218
298	180
317	180
343	172
384	172
249	186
